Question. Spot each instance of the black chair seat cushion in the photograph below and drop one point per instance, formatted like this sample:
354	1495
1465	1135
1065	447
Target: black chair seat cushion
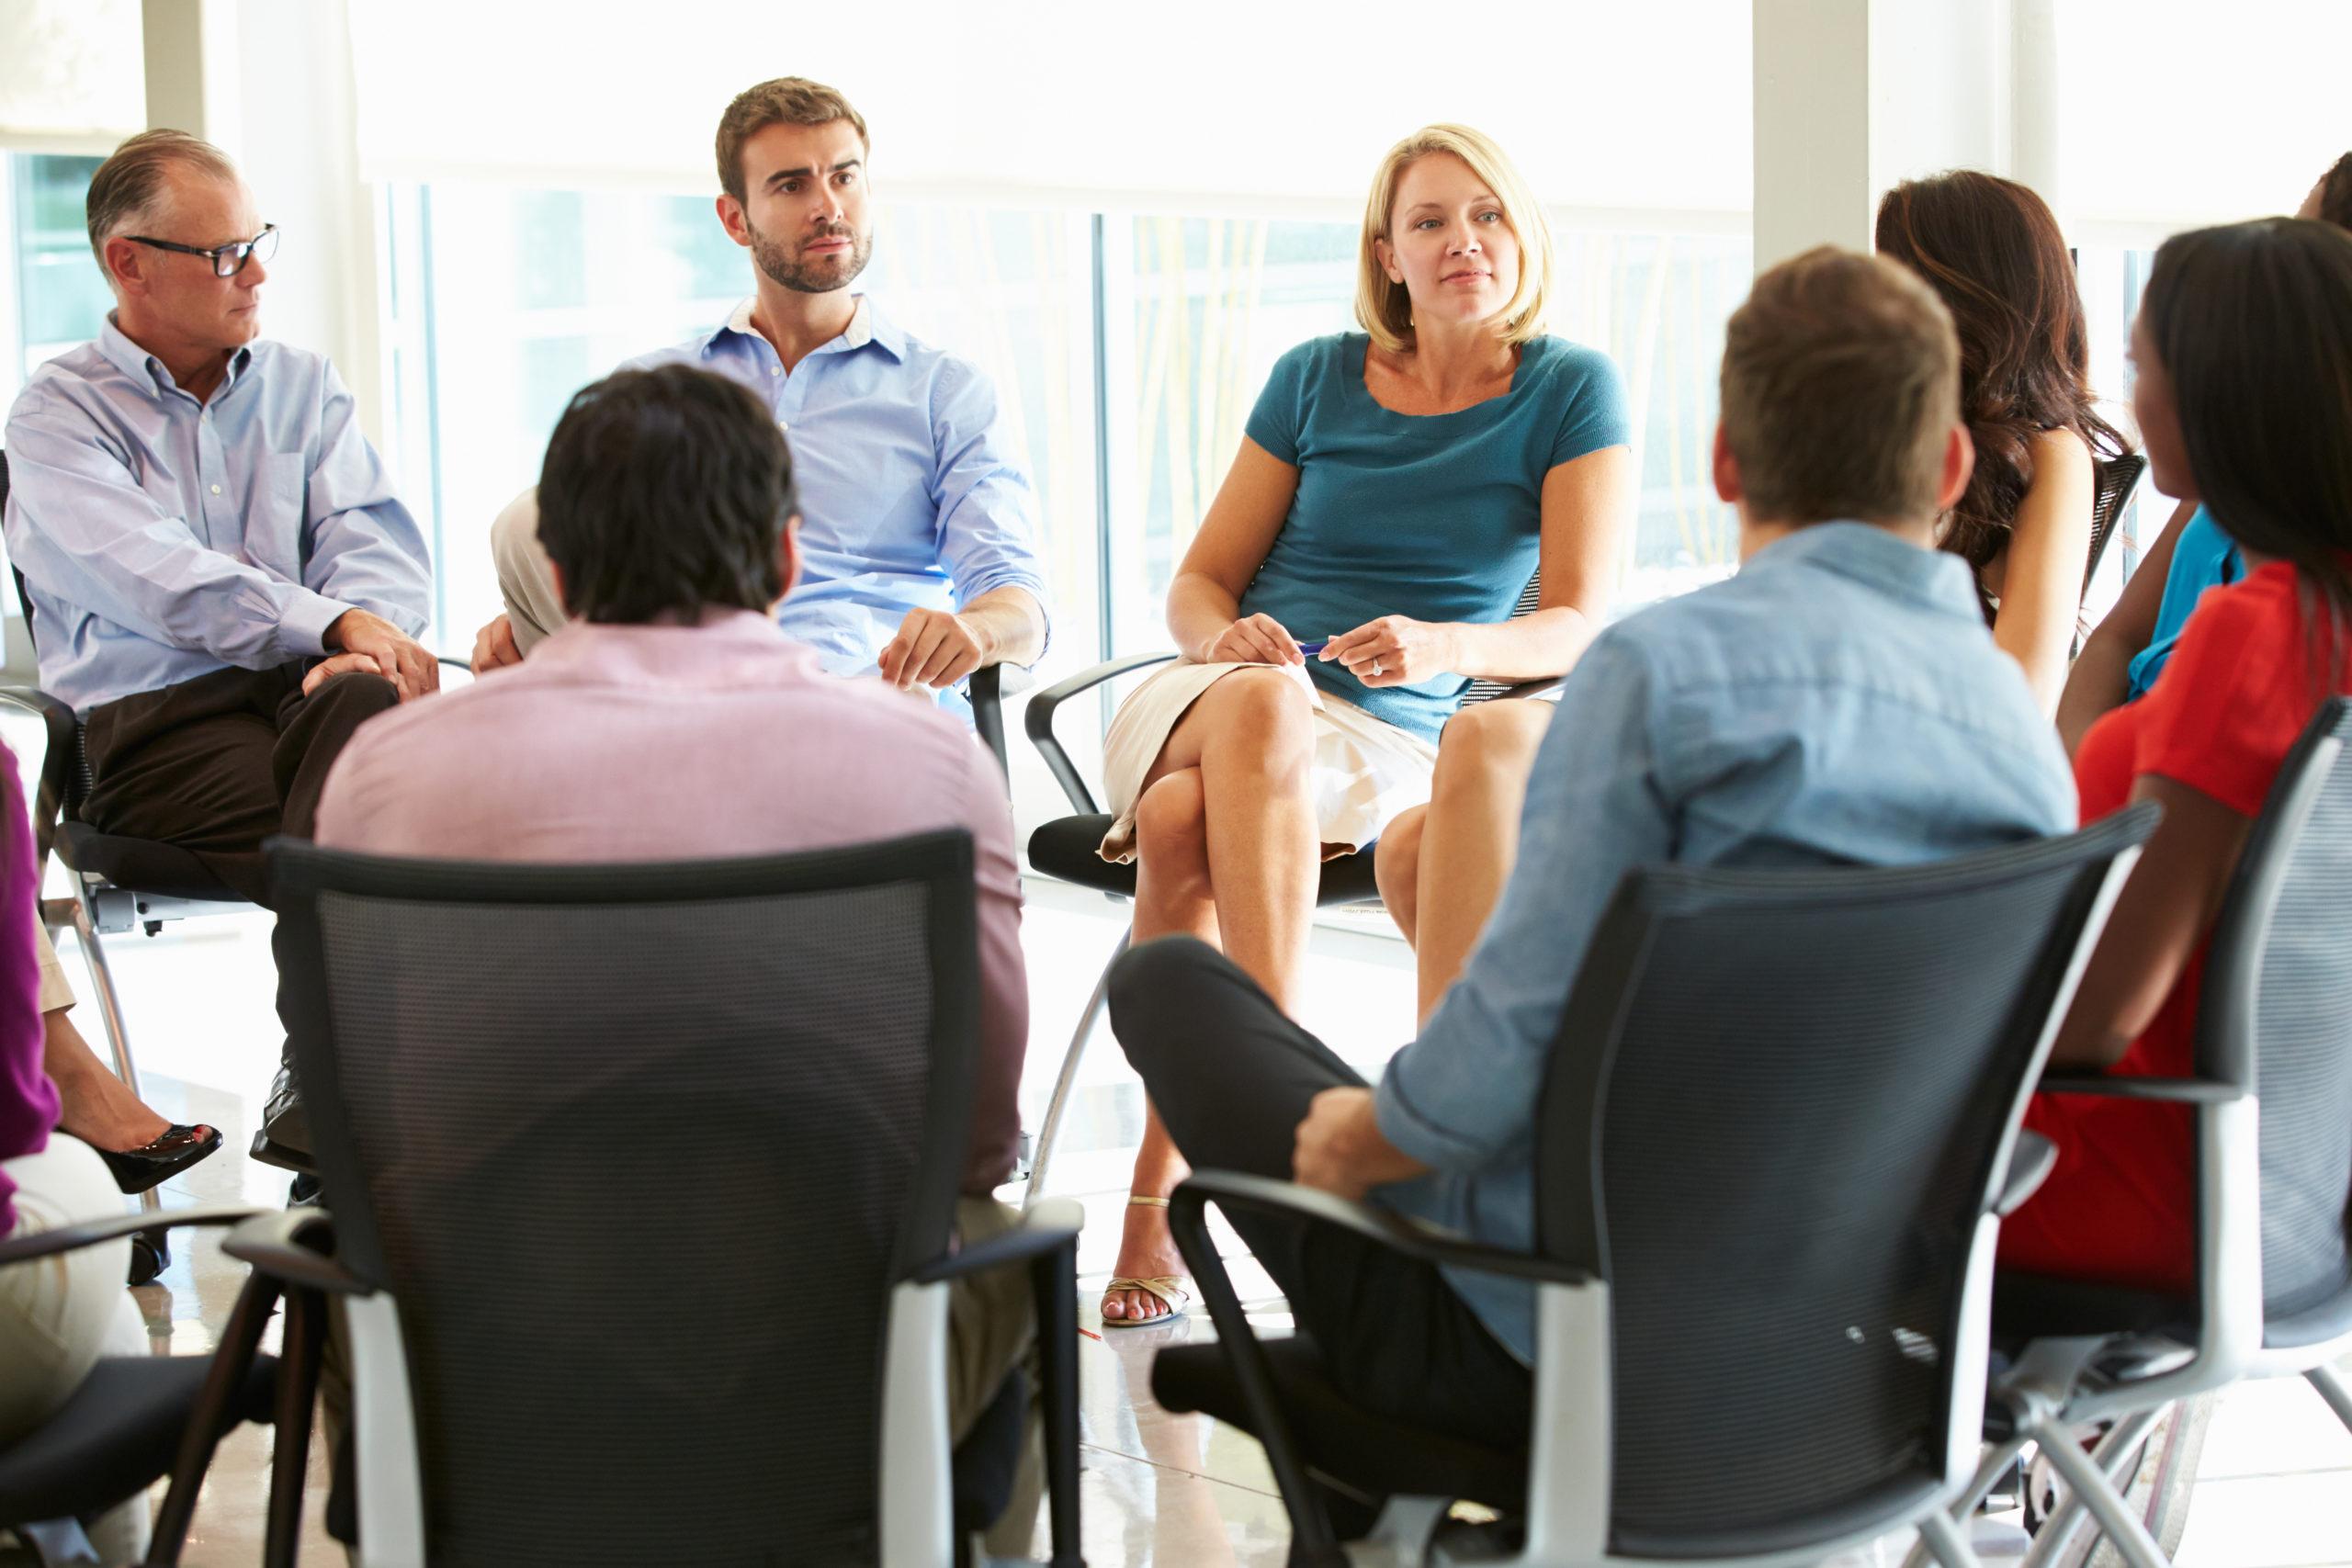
1064	848
119	1431
2044	1306
1343	1441
141	866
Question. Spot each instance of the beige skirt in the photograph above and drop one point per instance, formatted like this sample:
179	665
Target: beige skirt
1365	770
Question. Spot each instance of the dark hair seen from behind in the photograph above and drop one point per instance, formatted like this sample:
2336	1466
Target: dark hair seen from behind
2252	323
664	495
1993	253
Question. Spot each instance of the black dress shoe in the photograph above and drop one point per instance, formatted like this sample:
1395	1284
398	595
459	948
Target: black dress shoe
135	1170
285	1137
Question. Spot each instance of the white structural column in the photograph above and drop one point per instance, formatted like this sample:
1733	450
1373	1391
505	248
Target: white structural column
1855	96
269	82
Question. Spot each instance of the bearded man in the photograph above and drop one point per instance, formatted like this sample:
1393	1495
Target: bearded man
918	540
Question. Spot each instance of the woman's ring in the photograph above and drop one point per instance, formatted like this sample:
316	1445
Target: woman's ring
1375	666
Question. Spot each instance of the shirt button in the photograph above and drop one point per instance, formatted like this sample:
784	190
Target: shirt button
775	369
216	489
783	424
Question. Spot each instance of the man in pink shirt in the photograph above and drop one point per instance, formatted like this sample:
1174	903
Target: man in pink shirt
670	719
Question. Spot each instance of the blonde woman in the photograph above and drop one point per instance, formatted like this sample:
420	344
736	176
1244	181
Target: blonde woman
1395	489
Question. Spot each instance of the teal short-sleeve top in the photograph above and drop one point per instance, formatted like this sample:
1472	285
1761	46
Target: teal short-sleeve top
1433	516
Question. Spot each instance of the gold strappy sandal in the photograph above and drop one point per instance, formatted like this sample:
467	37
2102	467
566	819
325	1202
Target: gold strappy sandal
1167	1289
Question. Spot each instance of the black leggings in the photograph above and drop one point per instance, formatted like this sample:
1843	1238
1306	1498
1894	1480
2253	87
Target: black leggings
1231	1077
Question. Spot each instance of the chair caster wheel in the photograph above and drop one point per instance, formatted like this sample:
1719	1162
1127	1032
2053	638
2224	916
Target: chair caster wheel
151	1254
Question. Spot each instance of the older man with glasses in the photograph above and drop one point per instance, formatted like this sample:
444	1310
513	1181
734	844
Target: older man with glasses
221	581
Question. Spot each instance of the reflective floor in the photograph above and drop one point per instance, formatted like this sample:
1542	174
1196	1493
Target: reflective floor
1159	1489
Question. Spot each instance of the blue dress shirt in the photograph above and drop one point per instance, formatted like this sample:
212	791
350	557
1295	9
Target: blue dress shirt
161	538
1839	700
909	494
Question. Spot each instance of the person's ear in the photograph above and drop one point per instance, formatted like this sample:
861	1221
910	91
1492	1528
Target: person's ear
787	556
1960	463
1726	469
732	218
1385	255
123	263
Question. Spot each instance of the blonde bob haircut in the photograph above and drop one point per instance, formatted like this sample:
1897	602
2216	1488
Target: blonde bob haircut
1382	308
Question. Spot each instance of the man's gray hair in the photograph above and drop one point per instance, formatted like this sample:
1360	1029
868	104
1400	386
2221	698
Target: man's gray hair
128	189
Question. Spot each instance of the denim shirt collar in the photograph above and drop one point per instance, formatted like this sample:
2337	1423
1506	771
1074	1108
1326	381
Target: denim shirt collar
866	325
1933	580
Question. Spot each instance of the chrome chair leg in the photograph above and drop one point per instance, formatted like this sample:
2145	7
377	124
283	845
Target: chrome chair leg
2125	1533
109	1003
2117	1451
2334	1390
1041	1153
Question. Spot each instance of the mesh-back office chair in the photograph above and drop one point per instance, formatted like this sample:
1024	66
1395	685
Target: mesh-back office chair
1064	848
643	1179
2115	480
1771	1151
2272	1109
134	1418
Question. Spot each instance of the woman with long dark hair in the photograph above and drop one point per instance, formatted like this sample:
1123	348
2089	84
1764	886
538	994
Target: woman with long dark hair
2243	394
1990	247
2125	655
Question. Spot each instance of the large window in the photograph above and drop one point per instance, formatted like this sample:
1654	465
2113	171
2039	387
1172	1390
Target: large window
53	296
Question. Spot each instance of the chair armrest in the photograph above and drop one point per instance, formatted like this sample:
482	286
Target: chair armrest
1533	691
1414	1238
1040	721
2031	1164
1054	1223
292	1244
67	1238
60	754
2179	1091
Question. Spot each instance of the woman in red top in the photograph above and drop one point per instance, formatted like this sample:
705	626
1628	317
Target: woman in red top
2244	358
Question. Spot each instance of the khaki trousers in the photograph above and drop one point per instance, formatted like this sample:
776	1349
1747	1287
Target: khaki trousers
524	581
58	1315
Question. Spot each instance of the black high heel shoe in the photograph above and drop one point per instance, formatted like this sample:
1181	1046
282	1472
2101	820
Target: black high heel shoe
151	1164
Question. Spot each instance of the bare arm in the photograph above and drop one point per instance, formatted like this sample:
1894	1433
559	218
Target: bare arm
2163	912
2103	673
2041	580
1204	600
1587	506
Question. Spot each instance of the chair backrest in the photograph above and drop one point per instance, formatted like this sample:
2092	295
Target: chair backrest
1780	1103
639	1152
1530	600
2116	478
2275	1016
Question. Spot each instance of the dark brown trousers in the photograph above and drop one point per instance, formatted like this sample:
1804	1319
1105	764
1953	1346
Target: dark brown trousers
219	763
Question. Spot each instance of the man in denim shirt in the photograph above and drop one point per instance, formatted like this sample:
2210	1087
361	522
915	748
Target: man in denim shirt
1839	700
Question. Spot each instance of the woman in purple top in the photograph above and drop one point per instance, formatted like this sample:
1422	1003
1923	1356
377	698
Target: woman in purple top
57	1315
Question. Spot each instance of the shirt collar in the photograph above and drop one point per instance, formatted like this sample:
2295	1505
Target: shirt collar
1934	580
147	370
866	325
654	654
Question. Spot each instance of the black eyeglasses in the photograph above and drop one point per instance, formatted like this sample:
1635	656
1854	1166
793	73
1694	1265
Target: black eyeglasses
227	260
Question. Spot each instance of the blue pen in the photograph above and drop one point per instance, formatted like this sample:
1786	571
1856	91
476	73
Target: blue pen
1312	649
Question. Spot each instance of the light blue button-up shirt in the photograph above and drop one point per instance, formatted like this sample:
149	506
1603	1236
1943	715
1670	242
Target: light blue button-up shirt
909	494
161	538
1839	700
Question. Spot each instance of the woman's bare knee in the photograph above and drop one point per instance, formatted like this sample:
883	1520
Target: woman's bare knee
1489	744
1171	824
1260	712
1396	867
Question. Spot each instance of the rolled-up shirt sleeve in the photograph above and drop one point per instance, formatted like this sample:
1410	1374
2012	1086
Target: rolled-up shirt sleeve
366	550
81	530
987	511
1463	1094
